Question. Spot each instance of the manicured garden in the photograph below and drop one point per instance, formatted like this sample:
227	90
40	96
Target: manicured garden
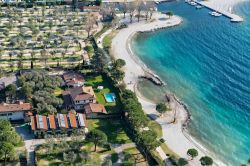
99	80
132	156
113	128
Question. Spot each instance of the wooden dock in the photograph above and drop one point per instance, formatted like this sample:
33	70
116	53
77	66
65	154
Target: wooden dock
233	17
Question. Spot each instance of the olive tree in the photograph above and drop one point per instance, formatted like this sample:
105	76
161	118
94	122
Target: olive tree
97	137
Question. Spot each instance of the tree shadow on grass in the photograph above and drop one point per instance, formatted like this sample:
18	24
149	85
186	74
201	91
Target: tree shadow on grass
114	130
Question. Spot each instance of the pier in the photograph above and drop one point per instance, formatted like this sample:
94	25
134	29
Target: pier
233	17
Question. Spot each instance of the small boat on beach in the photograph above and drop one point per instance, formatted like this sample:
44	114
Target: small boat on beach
215	14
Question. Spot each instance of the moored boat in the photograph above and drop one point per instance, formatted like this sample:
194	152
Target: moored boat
215	14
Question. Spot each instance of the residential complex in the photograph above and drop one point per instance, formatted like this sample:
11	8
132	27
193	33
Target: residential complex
59	124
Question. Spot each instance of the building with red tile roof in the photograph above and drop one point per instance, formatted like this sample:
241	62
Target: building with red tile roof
78	97
94	110
15	111
73	79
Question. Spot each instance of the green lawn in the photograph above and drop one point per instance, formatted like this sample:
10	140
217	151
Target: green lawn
90	50
113	128
107	40
156	127
58	91
98	80
133	157
170	153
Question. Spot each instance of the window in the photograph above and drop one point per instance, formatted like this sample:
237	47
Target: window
9	114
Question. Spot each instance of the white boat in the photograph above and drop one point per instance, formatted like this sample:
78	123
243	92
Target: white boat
199	7
215	14
193	3
187	1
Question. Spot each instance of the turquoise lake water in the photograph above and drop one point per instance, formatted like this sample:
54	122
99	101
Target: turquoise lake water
206	62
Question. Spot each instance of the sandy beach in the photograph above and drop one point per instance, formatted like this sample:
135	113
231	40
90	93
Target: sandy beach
172	133
177	138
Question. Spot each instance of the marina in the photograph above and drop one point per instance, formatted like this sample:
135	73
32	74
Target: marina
215	11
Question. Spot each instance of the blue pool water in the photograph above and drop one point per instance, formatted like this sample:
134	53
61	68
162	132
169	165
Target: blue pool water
109	97
206	62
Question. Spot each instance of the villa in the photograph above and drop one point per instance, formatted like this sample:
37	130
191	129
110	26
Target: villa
93	110
58	124
78	97
15	111
73	79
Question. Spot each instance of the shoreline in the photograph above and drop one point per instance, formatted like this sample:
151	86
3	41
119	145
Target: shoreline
135	67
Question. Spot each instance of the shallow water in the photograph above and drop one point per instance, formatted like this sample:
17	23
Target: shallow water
206	62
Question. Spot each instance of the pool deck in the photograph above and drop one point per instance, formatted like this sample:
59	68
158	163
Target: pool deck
233	17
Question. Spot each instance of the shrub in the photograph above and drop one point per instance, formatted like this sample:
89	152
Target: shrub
69	157
114	157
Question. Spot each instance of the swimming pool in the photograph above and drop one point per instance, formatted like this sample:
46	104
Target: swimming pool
109	97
